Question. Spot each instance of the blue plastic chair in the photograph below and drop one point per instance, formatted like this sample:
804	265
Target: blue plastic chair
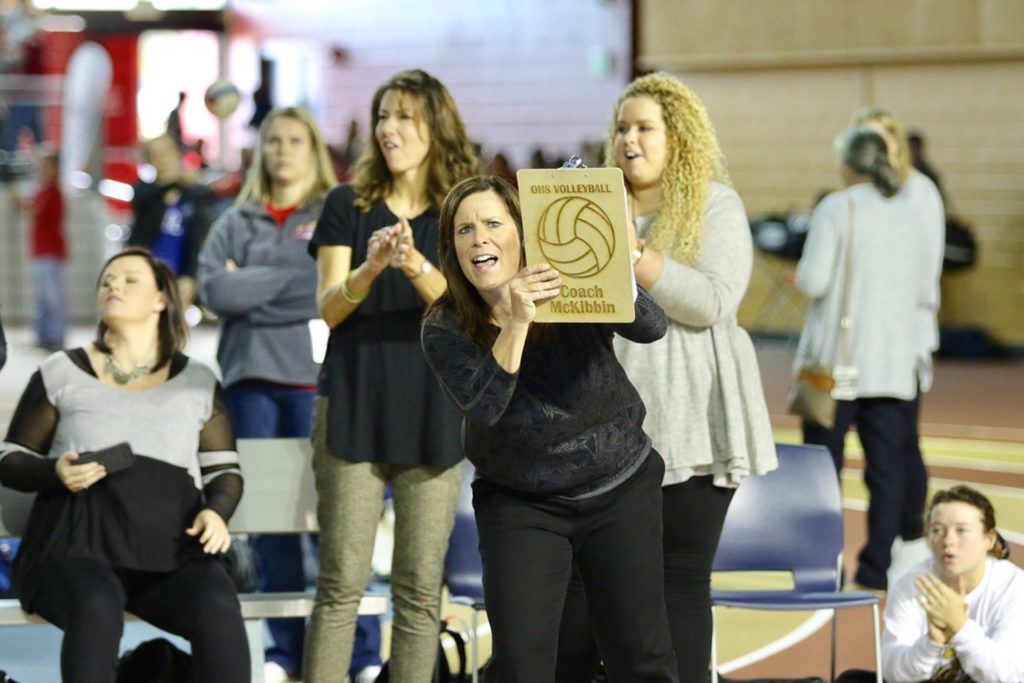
463	568
790	520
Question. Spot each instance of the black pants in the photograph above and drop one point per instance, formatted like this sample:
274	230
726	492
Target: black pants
894	473
86	599
693	513
529	544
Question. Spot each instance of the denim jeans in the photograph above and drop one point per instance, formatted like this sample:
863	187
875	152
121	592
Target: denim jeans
262	410
51	296
894	473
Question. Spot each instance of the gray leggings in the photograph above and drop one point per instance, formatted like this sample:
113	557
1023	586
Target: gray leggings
350	502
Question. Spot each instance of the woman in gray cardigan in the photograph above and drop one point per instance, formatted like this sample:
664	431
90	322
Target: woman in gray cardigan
892	288
706	412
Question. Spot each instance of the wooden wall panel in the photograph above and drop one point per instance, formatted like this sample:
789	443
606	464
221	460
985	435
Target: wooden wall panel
950	69
777	128
726	33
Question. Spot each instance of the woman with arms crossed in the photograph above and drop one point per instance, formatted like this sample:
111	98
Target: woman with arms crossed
256	275
565	473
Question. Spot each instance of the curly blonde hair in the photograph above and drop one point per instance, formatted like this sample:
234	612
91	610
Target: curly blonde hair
694	160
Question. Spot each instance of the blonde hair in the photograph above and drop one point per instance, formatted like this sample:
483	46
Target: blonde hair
257	181
885	119
694	160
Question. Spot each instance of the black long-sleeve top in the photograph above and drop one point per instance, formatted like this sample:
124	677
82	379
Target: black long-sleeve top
568	423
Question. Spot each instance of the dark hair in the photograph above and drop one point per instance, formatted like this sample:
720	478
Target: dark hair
471	311
965	494
173	332
864	151
450	157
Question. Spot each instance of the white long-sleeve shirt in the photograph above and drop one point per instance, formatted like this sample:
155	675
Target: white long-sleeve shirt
990	646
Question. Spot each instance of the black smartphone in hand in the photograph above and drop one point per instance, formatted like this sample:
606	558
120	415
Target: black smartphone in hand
113	458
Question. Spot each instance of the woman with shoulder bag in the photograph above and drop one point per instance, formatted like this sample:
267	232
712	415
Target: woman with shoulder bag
867	278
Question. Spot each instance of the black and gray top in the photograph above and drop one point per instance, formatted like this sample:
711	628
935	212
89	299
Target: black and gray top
136	518
569	423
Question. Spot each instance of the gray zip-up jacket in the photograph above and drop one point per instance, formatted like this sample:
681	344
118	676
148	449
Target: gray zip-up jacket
265	306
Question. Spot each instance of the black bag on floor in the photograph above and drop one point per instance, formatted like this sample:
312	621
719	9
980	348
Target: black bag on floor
442	671
155	661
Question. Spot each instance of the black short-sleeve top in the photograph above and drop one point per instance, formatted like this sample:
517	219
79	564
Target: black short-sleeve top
384	404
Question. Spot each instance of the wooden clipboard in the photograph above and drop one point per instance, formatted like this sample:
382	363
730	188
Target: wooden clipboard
575	220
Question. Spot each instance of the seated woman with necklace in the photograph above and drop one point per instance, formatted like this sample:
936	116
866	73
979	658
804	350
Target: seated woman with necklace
145	538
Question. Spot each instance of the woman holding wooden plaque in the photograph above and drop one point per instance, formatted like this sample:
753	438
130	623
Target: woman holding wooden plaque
706	411
565	472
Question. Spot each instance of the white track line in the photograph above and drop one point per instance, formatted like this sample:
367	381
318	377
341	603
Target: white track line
800	633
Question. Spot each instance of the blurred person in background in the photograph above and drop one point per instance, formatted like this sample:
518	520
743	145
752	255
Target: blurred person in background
256	275
171	214
501	167
21	52
381	418
706	411
3	345
891	281
175	129
48	248
924	204
916	146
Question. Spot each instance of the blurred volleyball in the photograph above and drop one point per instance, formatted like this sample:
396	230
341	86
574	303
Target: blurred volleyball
222	99
576	236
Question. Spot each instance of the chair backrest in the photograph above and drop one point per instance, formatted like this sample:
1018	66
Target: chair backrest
463	568
280	493
790	519
279	497
14	509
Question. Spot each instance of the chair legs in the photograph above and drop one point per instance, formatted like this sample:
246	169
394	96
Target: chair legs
473	649
714	645
835	628
878	645
835	622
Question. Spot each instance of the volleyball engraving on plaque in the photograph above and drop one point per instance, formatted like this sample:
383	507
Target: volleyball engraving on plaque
576	236
575	220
